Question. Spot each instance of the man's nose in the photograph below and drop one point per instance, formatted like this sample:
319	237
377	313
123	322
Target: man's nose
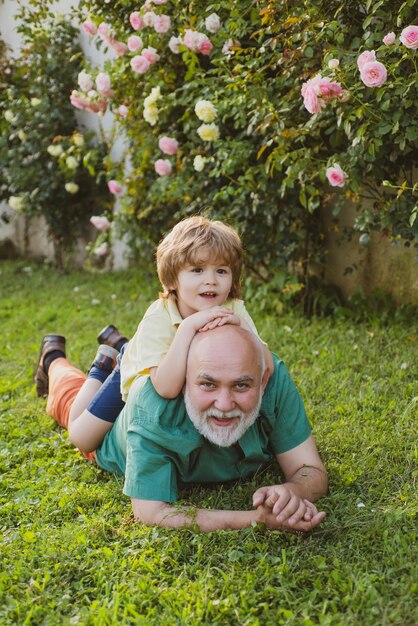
224	400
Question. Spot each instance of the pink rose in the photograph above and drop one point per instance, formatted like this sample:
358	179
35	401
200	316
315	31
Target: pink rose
205	46
389	39
336	176
317	91
409	37
99	106
168	145
104	30
365	57
192	39
122	111
100	222
118	47
329	89
150	55
77	100
102	250
136	21
103	84
373	74
162	23
163	167
134	43
310	92
140	64
114	187
90	27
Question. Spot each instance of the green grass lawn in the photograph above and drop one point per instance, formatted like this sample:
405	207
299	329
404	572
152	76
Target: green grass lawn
70	551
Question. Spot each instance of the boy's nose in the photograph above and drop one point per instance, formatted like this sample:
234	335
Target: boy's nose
210	279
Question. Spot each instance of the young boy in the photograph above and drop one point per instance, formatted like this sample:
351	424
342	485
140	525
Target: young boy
199	266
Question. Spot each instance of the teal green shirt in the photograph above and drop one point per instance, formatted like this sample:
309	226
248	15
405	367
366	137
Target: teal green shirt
155	445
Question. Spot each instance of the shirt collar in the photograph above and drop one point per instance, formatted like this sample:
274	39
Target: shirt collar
173	312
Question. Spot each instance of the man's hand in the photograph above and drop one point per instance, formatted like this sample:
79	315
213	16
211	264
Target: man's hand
285	504
311	520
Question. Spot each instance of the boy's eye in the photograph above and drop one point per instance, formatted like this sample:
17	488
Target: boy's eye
221	270
197	270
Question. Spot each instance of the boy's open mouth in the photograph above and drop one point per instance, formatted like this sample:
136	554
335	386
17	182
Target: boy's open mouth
208	294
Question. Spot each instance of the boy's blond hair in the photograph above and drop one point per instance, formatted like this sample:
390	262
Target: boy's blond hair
184	244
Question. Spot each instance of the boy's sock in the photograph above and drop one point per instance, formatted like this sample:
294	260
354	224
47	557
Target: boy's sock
56	354
104	363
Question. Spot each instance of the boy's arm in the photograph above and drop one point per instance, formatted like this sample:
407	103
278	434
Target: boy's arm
169	377
157	513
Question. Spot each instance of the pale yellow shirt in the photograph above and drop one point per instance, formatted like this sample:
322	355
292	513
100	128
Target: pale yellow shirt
154	335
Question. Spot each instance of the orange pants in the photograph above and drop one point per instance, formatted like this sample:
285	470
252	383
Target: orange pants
65	382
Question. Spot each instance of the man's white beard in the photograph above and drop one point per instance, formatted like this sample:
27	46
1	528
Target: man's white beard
223	436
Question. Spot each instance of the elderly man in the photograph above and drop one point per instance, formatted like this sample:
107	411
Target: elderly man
230	421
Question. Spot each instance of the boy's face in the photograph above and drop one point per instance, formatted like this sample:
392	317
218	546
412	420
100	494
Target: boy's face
203	285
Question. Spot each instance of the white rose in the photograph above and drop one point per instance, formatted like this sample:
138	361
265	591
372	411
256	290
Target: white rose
213	23
85	81
333	64
199	163
71	187
71	163
205	111
16	203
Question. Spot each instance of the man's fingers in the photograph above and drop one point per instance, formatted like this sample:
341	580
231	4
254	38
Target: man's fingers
259	496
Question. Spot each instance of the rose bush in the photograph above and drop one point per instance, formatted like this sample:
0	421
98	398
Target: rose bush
285	109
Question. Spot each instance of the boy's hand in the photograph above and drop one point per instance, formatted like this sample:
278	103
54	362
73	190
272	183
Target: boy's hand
221	321
209	318
286	505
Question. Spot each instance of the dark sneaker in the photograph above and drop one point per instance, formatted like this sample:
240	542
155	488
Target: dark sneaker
50	343
110	336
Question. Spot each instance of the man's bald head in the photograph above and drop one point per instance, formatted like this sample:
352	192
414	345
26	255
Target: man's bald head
227	344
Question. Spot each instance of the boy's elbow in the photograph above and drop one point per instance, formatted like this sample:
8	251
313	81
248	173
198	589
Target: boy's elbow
169	393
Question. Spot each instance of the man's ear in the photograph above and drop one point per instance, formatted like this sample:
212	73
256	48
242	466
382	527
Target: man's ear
264	379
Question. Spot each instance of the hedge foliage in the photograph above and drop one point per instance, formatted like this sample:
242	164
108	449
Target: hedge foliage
45	158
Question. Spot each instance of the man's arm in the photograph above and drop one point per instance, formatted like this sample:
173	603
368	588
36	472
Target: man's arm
157	513
306	479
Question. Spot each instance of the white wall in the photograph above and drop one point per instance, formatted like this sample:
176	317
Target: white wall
38	244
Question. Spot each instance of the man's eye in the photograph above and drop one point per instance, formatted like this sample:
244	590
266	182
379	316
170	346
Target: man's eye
242	386
207	385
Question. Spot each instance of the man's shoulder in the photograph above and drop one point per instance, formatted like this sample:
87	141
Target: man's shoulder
164	420
280	382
